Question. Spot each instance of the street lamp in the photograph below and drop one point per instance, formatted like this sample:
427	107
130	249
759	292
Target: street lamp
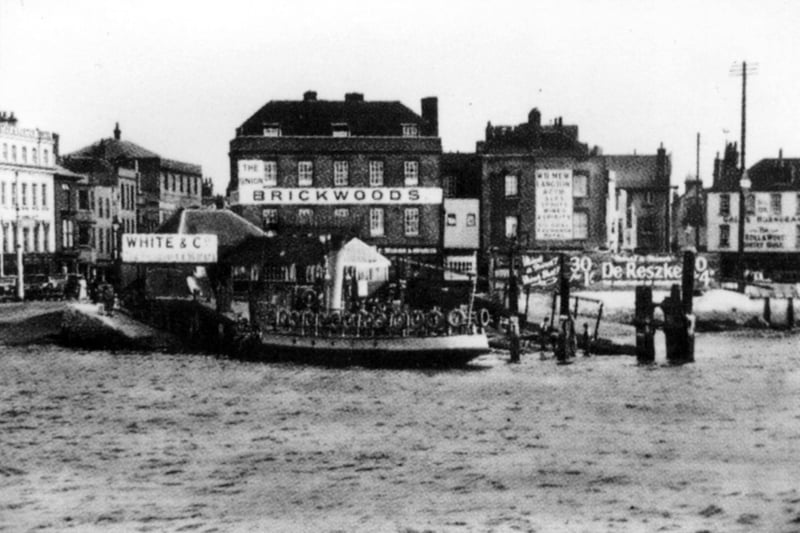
18	240
744	187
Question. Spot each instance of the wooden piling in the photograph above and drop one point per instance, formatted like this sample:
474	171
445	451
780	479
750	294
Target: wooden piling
767	311
687	301
643	321
790	313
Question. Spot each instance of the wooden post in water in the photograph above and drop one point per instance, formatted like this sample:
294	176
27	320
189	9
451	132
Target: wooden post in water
687	299
643	321
767	311
566	342
674	325
790	313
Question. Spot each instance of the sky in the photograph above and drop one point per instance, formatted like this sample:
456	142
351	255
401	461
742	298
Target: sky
180	76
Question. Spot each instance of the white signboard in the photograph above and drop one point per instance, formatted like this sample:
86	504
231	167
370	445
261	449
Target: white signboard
169	248
553	204
251	193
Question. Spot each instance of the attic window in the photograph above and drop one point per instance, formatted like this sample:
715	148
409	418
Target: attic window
340	129
410	130
272	130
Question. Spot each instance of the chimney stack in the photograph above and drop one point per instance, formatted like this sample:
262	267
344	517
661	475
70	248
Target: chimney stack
430	113
354	97
310	96
117	131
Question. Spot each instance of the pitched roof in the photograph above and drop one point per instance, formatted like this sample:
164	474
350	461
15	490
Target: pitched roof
180	166
230	228
111	149
316	117
775	175
636	171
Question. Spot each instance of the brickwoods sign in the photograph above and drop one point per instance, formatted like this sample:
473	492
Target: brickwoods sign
339	195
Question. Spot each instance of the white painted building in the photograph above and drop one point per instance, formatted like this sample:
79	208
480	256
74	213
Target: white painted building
27	214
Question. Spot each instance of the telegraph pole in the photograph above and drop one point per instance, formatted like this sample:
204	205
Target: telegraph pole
742	69
697	186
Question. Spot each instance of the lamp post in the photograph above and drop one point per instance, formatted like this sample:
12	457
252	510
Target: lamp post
744	187
116	243
18	241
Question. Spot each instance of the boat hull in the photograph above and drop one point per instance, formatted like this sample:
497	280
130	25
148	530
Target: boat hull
410	351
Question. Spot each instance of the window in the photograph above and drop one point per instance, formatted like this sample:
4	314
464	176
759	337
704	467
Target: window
775	203
724	236
724	205
180	179
797	205
14	152
36	238
46	156
83	199
14	194
3	193
305	216
26	235
45	239
511	226
24	154
411	222
341	171
340	129
797	237
411	172
35	156
580	186
580	225
472	220
270	173
272	130
410	130
649	197
5	151
108	208
305	173
750	204
451	219
34	194
269	216
24	194
376	173
511	185
376	222
341	213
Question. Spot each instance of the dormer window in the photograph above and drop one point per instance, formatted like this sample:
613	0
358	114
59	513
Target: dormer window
272	130
410	130
340	129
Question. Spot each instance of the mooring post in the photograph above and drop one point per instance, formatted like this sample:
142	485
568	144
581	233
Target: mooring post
767	311
513	338
790	313
687	299
643	321
674	325
566	341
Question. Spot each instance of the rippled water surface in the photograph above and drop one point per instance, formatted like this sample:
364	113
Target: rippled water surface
101	441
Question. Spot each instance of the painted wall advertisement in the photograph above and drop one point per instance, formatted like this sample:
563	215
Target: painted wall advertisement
553	204
604	270
169	248
254	188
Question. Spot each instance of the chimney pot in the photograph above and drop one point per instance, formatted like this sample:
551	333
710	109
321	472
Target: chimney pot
310	96
117	131
430	113
354	97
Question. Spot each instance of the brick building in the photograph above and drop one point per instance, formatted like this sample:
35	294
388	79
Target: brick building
544	189
367	169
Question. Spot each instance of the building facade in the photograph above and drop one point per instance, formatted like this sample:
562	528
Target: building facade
769	232
27	168
127	189
352	168
543	189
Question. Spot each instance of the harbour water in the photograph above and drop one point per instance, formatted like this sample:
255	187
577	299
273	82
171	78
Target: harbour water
102	441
